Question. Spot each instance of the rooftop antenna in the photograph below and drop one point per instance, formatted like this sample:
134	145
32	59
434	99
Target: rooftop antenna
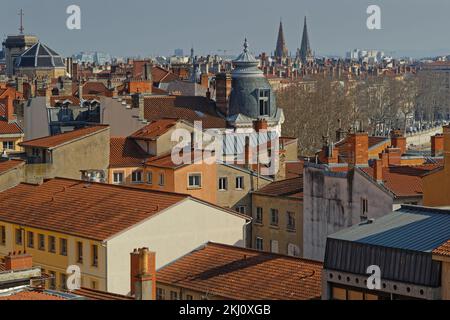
21	14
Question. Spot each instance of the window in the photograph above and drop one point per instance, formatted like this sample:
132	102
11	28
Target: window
161	179
94	255
118	177
274	246
259	215
51	244
173	295
160	294
19	239
30	239
63	247
290	218
259	244
136	177
93	284
223	184
264	97
36	152
149	177
364	208
189	297
241	209
8	145
240	183
274	217
2	235
79	252
52	275
41	242
63	279
195	180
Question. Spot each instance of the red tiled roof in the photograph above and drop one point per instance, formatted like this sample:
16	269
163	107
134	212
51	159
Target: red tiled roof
165	161
10	164
91	210
31	295
242	274
154	129
125	152
294	169
5	126
284	188
93	294
183	107
59	139
443	250
404	181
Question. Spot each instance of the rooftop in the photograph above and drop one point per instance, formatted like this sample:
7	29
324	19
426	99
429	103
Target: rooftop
91	210
125	152
243	274
154	129
292	188
409	228
5	166
8	127
51	142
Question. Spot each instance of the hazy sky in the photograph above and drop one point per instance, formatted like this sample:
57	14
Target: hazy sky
151	27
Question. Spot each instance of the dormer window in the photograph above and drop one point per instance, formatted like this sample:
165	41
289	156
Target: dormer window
264	97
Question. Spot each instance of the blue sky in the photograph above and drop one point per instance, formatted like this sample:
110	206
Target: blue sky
149	27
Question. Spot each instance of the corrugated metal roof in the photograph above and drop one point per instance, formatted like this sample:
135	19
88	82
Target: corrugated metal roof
409	228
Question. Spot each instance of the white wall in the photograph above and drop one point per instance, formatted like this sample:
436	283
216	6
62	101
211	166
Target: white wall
171	234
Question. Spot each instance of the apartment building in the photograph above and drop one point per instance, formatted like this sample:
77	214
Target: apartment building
64	222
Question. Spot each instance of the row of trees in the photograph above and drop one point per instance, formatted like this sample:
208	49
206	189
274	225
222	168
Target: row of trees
319	108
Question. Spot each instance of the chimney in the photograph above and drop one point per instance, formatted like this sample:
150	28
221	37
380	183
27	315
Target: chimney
384	157
248	154
48	95
148	73
358	145
143	274
80	89
15	262
437	145
398	141
67	87
378	171
8	102
138	101
19	84
394	156
223	90
204	80
208	94
447	148
260	124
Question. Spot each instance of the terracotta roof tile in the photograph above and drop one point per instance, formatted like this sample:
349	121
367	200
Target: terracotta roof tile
59	139
288	188
91	210
31	295
8	127
93	294
443	250
183	107
10	164
125	152
154	129
242	274
404	181
294	169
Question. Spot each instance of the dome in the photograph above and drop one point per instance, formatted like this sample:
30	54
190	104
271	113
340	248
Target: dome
40	56
251	93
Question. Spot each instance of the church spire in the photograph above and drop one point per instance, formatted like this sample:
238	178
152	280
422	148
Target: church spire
305	53
281	50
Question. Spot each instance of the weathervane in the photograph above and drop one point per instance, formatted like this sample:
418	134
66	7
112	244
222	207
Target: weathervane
245	45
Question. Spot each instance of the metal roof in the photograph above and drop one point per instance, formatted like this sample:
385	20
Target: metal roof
410	228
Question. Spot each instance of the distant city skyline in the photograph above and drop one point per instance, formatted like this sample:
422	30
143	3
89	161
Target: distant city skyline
143	28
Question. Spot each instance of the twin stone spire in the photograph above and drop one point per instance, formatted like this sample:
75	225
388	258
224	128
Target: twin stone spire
304	53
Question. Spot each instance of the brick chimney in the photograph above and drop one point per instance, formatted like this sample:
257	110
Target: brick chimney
378	170
447	148
143	274
19	261
437	145
260	124
398	140
223	91
358	147
8	102
394	156
204	80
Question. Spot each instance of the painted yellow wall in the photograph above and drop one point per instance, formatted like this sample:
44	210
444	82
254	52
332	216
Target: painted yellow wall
57	262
